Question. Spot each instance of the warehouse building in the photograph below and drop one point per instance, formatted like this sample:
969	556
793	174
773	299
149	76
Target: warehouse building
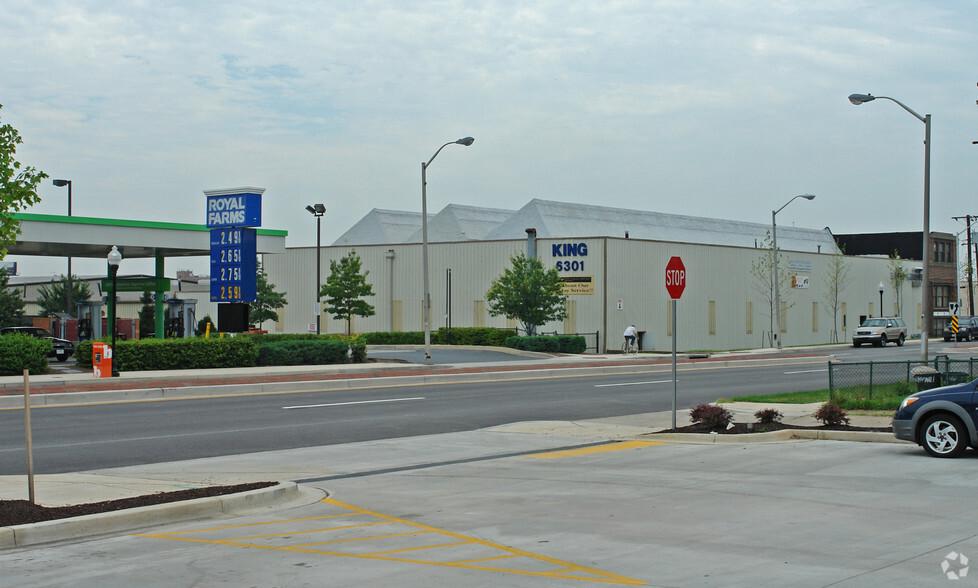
613	263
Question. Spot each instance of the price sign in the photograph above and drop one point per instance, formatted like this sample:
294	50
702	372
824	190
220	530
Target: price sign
234	265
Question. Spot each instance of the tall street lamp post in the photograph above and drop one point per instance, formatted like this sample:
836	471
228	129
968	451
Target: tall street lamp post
426	303
881	299
61	184
926	294
114	258
774	252
318	210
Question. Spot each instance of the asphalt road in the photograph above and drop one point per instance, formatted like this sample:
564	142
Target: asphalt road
67	439
118	434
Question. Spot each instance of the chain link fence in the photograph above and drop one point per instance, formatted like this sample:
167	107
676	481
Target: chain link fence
887	379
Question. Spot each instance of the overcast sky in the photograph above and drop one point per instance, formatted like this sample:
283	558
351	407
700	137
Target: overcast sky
716	108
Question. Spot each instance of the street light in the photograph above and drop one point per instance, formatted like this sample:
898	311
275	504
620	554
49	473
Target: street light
426	303
774	243
881	299
114	258
318	210
926	294
61	184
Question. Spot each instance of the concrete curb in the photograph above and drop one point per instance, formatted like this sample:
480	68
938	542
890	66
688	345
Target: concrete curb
776	437
134	518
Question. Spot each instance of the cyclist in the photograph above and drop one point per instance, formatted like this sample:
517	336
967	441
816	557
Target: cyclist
629	335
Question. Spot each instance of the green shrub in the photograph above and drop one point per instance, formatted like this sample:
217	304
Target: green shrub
20	352
485	336
396	338
358	349
176	353
548	343
303	352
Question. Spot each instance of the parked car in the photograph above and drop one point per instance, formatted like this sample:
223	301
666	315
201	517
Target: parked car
941	420
879	331
967	329
60	348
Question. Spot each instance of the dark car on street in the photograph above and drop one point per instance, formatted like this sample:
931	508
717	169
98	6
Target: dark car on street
967	329
941	420
60	348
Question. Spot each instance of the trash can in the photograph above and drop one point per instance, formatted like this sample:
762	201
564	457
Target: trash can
926	377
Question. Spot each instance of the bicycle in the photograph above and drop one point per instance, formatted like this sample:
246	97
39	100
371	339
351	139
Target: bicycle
627	347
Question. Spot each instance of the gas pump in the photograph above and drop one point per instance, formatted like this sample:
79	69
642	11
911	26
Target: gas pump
89	320
181	317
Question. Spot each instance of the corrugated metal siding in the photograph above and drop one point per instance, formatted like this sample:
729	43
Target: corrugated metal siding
635	275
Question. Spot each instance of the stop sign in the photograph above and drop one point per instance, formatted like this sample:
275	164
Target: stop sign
675	278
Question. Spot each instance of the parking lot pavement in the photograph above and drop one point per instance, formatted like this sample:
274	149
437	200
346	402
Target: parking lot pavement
489	508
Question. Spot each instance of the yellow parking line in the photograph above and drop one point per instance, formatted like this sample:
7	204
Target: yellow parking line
617	446
560	569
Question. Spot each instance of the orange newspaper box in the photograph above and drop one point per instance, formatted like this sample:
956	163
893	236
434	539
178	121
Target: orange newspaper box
102	360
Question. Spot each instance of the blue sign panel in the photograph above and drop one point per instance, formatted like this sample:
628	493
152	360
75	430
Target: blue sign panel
234	265
233	210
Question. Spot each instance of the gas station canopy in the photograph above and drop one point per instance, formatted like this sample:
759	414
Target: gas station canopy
80	236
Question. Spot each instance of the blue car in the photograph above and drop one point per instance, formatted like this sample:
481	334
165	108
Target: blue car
941	420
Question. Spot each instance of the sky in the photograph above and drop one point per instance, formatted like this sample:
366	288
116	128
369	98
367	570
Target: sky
715	108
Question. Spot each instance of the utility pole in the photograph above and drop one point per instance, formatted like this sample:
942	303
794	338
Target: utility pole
971	291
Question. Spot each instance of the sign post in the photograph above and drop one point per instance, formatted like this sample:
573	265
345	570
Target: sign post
675	284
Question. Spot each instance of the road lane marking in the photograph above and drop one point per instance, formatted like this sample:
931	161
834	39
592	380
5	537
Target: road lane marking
633	383
806	372
433	547
618	446
353	403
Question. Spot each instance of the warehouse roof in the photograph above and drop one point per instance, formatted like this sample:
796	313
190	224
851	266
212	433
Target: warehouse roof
456	222
562	220
380	227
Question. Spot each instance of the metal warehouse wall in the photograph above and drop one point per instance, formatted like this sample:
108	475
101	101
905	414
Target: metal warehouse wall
722	307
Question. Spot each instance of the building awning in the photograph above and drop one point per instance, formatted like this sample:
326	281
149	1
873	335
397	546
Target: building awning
80	236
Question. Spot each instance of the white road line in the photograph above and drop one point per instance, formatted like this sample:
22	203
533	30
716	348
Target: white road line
806	372
351	403
633	383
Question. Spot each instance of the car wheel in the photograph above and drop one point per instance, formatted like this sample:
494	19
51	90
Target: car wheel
883	340
901	340
944	436
62	358
854	344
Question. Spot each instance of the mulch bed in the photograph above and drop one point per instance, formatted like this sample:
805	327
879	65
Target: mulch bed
22	512
742	428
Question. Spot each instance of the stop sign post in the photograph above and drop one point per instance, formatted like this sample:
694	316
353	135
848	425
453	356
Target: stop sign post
675	284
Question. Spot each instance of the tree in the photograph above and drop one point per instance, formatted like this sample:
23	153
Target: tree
147	316
527	293
267	301
344	289
11	302
18	187
763	271
835	281
53	299
898	275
